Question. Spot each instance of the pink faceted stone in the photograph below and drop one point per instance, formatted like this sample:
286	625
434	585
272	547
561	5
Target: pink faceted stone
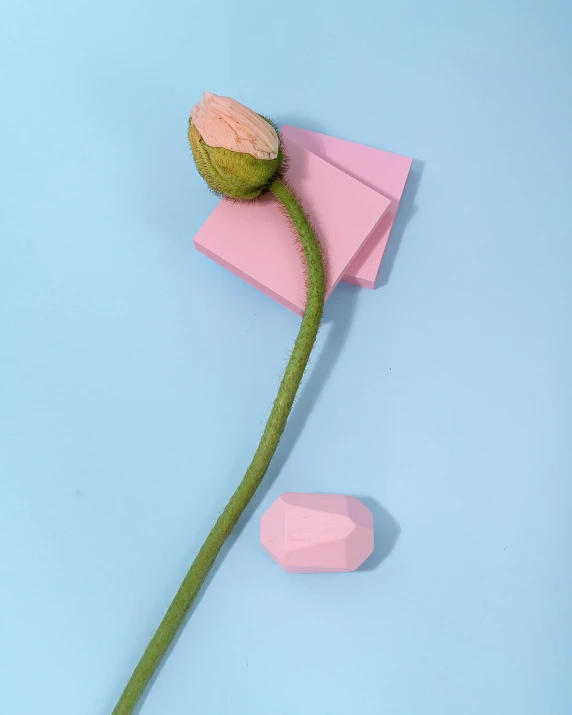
317	533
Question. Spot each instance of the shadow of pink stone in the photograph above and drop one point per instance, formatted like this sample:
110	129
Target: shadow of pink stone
317	533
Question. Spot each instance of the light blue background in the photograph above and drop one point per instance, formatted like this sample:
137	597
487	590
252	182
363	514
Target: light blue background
136	375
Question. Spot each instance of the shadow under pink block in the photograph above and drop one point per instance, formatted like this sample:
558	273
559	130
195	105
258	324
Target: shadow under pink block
380	170
256	242
317	533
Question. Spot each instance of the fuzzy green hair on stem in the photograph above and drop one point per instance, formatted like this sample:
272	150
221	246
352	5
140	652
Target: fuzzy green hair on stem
238	154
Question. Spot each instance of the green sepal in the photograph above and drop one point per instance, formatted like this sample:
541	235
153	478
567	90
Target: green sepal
229	173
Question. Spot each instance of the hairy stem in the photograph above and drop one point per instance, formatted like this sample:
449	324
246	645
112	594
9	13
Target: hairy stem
245	491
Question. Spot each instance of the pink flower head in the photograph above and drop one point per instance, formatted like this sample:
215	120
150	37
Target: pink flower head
224	122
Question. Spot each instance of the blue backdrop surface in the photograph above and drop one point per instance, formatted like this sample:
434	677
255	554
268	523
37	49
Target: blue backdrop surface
136	375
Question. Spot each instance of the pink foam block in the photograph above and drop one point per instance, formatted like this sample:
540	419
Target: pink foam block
256	242
380	170
317	533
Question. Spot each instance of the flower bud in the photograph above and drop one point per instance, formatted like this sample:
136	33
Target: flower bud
237	152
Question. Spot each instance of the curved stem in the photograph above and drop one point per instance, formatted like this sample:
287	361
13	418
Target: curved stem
245	491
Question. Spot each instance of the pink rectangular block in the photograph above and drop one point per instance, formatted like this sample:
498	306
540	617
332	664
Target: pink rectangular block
380	170
256	242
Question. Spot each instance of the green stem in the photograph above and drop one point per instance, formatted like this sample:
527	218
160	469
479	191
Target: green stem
206	557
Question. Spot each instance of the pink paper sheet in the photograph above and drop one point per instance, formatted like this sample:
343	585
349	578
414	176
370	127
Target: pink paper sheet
380	170
255	241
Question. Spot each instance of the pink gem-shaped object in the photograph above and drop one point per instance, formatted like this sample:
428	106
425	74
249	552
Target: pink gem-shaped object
317	533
